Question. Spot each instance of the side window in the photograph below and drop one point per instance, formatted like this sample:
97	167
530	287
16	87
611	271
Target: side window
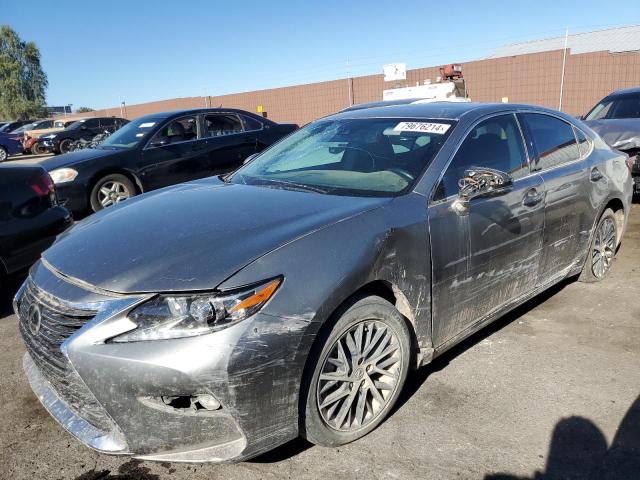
627	106
219	124
91	123
493	143
583	142
106	123
554	140
180	130
251	124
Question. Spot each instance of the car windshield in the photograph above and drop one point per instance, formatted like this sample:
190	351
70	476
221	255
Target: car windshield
627	106
361	157
131	134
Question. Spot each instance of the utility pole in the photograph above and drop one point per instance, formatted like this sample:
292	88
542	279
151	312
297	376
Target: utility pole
349	83
564	63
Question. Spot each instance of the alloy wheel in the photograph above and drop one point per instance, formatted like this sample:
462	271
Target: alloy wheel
3	154
603	248
112	192
359	376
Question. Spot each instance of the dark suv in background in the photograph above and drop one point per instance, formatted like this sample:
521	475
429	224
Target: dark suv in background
84	129
160	149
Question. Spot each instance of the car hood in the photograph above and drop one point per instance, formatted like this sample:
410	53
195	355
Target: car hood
621	134
193	236
78	156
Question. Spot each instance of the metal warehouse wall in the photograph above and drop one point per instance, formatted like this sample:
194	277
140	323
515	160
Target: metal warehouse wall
532	78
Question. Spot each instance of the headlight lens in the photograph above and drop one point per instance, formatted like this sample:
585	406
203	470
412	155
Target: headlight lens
169	316
63	175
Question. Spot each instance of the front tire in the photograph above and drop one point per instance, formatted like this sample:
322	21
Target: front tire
602	249
357	372
65	145
3	154
110	190
37	149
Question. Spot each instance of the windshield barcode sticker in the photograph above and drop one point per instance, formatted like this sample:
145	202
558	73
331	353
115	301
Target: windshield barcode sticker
426	127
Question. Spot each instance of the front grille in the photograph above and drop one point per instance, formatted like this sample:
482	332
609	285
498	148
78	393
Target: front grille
59	322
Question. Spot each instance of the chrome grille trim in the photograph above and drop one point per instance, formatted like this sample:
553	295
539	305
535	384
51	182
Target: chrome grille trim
59	322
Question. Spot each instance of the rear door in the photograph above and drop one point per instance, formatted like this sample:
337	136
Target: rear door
487	255
174	154
559	161
228	142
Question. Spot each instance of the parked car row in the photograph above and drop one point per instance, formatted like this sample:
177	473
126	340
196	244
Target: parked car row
158	150
216	319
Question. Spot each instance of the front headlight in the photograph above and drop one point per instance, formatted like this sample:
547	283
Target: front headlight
175	316
63	175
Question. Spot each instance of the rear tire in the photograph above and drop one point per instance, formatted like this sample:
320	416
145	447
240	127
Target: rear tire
110	190
355	372
3	154
602	249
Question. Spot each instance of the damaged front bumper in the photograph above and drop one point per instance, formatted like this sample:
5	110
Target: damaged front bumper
114	397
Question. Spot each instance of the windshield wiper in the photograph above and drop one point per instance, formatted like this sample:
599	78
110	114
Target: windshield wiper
302	187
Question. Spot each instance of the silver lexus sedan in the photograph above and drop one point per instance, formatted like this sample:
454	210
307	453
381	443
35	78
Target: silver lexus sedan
214	320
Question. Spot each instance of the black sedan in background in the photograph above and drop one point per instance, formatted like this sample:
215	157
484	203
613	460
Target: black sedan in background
158	150
30	217
85	129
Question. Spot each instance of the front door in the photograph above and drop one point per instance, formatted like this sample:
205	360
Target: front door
175	154
487	254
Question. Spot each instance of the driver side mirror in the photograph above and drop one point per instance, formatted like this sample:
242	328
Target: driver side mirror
480	182
157	143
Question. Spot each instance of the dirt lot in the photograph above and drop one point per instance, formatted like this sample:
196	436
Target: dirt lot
551	391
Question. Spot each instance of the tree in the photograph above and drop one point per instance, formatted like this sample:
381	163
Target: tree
22	80
84	110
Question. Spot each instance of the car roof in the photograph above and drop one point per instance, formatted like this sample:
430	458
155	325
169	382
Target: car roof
441	110
194	111
624	91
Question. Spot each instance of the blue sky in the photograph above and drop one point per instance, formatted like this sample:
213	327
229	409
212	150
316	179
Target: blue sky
96	53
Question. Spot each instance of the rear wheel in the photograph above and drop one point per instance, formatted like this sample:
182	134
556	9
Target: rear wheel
357	374
602	249
3	154
110	190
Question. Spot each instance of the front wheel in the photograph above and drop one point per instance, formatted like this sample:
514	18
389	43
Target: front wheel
110	190
65	145
602	249
3	154
37	149
357	373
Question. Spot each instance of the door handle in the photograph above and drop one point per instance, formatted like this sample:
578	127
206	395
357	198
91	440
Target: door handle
532	197
595	174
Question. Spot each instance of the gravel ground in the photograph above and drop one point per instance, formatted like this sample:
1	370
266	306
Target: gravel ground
550	391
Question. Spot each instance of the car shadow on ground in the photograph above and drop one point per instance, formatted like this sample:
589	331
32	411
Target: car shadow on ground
578	450
417	378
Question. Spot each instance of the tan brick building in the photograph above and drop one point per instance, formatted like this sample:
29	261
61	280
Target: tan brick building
597	63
